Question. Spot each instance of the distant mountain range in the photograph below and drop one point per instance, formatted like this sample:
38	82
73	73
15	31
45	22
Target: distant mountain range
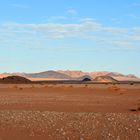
47	74
95	74
75	75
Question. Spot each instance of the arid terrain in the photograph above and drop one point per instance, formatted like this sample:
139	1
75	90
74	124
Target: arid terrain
69	111
75	75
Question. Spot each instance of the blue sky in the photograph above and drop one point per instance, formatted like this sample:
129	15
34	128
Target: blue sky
88	35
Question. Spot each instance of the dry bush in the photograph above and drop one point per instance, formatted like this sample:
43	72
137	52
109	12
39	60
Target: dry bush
138	109
131	83
20	88
133	110
71	86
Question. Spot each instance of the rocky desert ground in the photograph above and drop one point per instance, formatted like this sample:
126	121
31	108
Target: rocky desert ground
70	111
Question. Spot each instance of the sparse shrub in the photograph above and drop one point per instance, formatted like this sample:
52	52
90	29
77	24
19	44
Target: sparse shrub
133	110
71	86
138	108
20	88
131	83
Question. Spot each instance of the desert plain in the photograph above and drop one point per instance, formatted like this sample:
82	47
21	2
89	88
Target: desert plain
70	111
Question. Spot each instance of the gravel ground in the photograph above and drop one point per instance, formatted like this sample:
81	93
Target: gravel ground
46	125
69	112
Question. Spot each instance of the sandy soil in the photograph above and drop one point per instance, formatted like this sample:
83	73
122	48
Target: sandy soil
44	79
69	112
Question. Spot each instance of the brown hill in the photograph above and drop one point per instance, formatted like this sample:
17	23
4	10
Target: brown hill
73	74
48	74
105	73
14	79
105	79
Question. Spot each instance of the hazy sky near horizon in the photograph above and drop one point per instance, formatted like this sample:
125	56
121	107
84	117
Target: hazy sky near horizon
88	35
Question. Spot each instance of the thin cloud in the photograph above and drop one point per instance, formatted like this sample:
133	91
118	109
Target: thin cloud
87	19
72	11
57	18
90	30
116	20
134	16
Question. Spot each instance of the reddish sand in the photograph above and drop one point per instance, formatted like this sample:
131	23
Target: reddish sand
71	112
